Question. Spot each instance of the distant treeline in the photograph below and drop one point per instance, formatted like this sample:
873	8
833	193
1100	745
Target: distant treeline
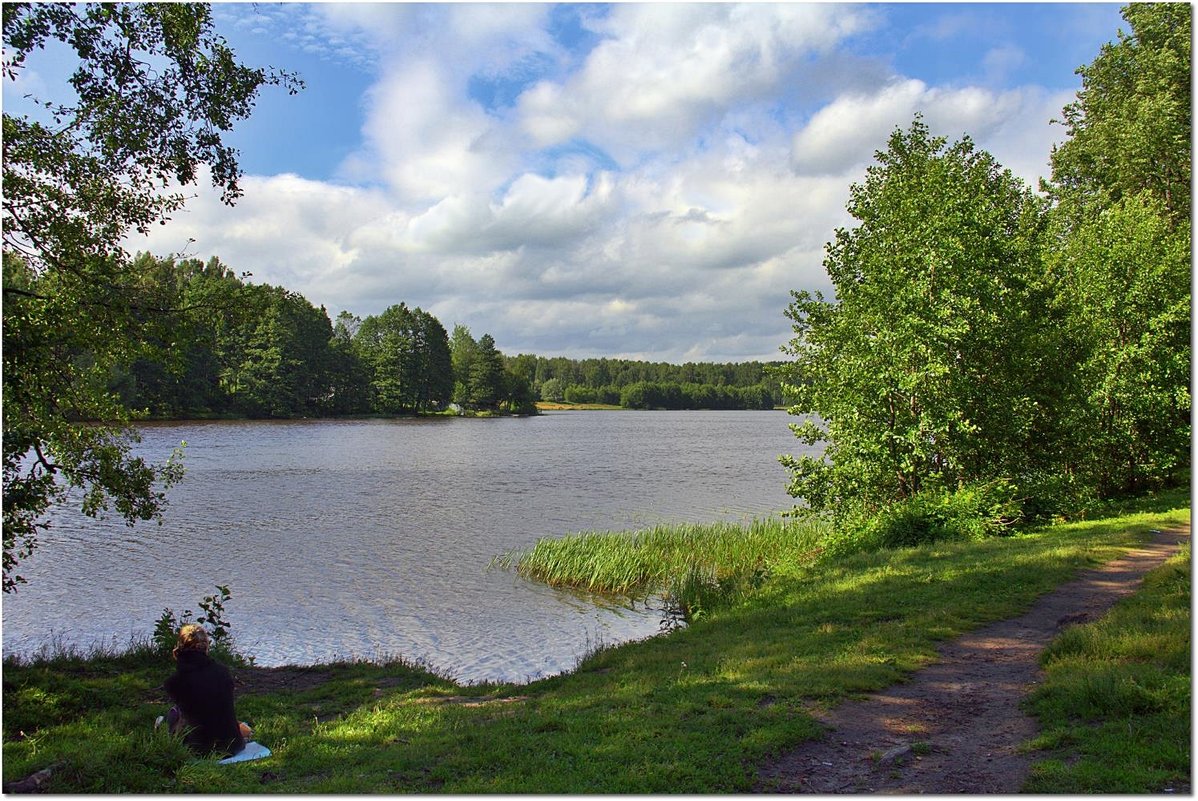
653	385
226	347
222	346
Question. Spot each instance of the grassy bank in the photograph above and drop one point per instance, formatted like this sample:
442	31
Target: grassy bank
692	712
1114	708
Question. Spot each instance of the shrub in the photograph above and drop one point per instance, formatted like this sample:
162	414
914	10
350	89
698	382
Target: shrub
970	512
166	628
1047	496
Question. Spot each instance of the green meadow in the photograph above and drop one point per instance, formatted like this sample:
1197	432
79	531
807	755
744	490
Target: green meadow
693	711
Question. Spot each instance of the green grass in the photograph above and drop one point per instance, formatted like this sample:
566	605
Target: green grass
697	565
1114	708
693	712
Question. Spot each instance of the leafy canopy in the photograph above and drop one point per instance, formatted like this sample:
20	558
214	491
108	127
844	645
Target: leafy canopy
930	368
1129	129
154	91
1122	240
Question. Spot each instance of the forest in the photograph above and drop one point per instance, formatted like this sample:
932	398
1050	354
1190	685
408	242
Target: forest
218	345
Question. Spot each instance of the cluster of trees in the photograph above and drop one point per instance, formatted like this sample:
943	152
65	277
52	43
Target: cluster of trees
255	350
983	335
656	385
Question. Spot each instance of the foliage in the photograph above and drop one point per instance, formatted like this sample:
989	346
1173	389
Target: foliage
484	380
933	368
155	91
166	628
690	712
55	376
979	336
484	383
463	349
406	352
1114	707
1130	127
693	385
552	391
1129	287
234	348
652	395
579	394
971	512
1122	238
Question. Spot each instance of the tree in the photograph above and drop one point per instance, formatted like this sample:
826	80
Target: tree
285	369
407	353
349	378
1122	241
434	384
1130	127
463	351
156	89
516	394
552	391
934	365
1129	289
385	345
484	388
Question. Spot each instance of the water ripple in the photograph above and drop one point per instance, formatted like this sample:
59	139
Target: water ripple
370	538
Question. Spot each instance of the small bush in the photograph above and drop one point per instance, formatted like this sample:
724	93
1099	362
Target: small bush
166	628
971	512
1044	497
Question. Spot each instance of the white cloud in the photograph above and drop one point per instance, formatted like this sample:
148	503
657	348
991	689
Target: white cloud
512	221
426	142
534	212
1014	125
664	71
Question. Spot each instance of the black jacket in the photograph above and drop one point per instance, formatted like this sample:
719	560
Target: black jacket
203	691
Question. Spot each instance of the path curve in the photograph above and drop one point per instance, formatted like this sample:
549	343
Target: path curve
962	713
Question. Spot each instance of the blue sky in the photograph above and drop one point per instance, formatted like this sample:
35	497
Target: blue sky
642	181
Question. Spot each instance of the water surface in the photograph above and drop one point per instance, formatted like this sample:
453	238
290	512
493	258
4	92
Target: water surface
373	538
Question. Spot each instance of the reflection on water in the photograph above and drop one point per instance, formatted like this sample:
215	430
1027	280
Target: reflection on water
373	538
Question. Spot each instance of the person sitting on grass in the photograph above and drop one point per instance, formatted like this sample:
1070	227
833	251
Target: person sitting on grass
202	690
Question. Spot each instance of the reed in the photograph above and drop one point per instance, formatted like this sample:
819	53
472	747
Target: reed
693	564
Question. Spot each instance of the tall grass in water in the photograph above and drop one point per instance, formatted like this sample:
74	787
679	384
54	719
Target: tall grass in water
696	566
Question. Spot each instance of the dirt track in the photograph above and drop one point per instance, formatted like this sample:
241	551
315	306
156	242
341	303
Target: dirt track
957	725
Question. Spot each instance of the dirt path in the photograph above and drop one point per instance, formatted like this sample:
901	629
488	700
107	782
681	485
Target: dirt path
956	726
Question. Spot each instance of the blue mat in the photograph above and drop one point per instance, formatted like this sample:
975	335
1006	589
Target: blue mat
252	751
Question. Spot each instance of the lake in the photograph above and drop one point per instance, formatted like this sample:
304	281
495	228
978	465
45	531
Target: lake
372	538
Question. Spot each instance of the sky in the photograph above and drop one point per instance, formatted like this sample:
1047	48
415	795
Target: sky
627	180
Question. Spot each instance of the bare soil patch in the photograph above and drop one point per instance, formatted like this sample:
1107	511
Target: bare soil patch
256	680
956	726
